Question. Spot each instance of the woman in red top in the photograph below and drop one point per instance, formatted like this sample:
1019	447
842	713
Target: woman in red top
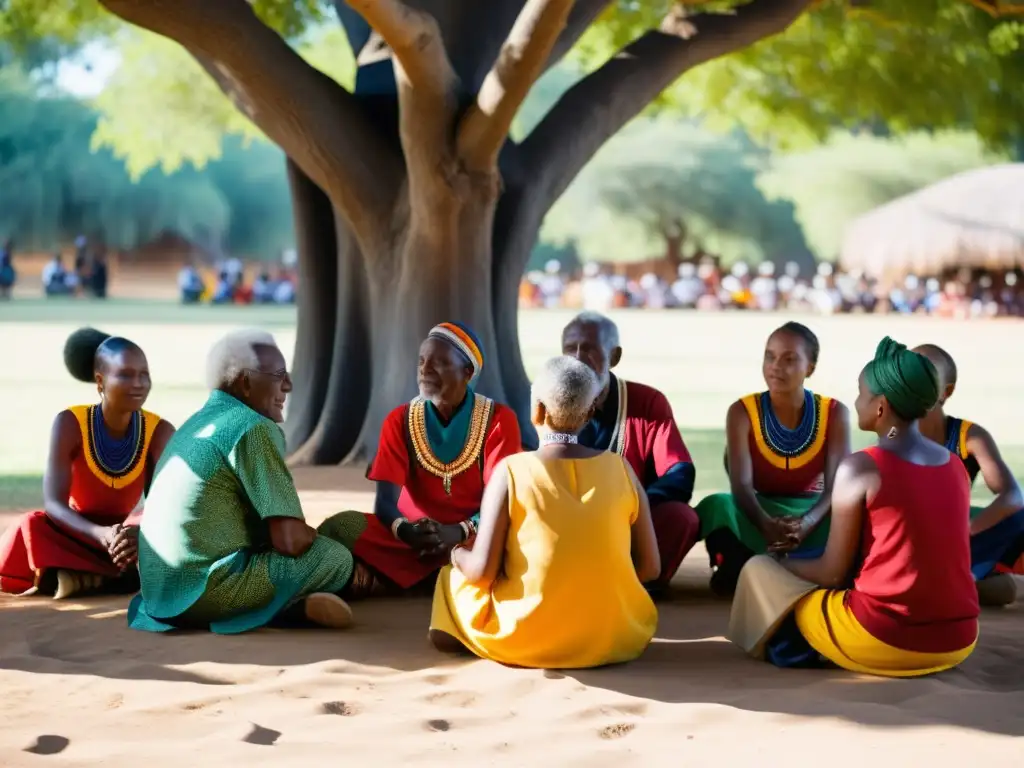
784	445
102	459
901	525
434	457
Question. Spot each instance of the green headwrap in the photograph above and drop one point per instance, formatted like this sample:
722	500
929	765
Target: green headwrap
908	380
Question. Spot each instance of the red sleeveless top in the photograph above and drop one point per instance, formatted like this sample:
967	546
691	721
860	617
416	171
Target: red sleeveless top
779	474
914	589
104	497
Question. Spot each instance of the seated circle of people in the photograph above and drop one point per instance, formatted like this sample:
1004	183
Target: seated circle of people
434	457
101	460
893	593
997	530
224	545
554	576
636	422
783	447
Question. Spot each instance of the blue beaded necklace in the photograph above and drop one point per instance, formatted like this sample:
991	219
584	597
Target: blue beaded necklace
781	439
115	456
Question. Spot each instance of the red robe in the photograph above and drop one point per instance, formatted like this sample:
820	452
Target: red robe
423	493
36	543
647	437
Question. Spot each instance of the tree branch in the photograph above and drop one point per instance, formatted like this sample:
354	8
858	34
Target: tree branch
427	87
599	105
583	14
485	126
313	119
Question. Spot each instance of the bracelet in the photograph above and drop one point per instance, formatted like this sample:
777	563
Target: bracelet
396	524
467	530
451	556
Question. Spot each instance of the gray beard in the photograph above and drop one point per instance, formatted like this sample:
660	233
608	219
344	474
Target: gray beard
604	379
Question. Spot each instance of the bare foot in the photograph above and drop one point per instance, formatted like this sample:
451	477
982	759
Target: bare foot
71	583
327	610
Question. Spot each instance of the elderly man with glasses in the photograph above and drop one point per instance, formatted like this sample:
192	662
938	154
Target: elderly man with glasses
223	545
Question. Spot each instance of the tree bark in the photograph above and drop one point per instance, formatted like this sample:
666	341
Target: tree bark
318	283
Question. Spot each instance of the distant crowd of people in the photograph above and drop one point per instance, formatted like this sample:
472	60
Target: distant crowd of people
704	285
87	275
230	286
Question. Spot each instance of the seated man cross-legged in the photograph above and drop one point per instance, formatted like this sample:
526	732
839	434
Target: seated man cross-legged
434	457
223	544
636	422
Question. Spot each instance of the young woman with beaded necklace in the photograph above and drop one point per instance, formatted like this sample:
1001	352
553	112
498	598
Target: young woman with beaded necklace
101	461
555	575
783	448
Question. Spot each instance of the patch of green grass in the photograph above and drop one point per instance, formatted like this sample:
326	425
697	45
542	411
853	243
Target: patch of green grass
21	491
83	311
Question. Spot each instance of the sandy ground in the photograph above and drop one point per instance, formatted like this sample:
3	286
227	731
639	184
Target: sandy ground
80	688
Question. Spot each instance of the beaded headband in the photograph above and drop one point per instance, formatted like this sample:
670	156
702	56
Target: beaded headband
464	340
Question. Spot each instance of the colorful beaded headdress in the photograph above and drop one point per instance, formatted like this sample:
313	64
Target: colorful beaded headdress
464	340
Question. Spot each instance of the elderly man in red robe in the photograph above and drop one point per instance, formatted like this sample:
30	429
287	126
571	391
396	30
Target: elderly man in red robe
636	422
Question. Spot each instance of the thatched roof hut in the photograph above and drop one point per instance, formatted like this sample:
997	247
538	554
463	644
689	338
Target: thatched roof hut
972	219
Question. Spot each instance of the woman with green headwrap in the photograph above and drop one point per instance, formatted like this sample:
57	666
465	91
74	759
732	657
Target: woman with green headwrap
893	593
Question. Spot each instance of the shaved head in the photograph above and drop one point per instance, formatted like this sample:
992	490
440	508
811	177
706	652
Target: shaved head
942	360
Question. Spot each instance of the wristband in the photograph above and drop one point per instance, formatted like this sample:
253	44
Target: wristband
396	525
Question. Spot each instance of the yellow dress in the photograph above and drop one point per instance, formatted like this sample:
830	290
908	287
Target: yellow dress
568	595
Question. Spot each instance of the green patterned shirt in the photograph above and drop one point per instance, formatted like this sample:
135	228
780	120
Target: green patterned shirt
221	476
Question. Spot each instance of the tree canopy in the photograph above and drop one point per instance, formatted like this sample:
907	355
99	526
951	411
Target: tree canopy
664	179
887	65
52	187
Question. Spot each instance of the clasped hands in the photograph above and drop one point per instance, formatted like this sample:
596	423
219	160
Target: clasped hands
784	534
429	538
122	544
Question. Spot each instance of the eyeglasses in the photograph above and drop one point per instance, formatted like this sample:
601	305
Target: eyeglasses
276	375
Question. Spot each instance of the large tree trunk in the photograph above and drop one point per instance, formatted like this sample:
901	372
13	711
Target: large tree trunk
353	375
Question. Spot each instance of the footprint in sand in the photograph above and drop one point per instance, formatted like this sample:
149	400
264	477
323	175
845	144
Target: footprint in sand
48	744
437	679
265	737
115	701
616	731
610	710
339	708
438	725
452	698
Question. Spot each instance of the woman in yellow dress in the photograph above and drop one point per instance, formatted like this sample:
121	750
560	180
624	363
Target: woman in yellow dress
554	578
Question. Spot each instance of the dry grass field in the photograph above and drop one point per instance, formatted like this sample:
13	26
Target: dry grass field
701	361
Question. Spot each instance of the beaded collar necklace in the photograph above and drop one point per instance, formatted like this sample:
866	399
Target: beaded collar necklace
781	439
417	424
115	456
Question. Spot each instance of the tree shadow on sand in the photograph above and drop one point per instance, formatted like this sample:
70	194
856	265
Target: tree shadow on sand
689	662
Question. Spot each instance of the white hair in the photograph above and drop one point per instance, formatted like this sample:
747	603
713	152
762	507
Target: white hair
234	353
607	330
567	389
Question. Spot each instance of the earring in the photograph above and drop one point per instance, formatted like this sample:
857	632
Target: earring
891	433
